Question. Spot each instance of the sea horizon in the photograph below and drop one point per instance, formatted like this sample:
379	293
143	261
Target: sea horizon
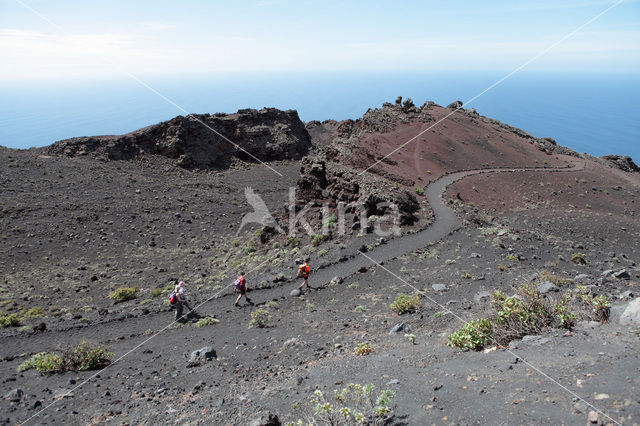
591	113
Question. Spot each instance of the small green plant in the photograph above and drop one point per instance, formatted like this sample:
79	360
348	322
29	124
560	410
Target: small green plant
511	258
293	241
310	307
405	304
43	362
85	356
601	308
155	292
363	349
360	308
25	329
437	315
465	275
472	336
353	405
411	338
123	294
35	312
272	304
578	259
10	320
317	239
249	249
322	252
259	318
502	268
331	221
419	190
203	322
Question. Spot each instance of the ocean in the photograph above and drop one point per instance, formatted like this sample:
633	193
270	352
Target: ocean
588	112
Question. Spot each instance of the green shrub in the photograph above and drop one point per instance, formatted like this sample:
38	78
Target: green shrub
123	294
331	221
353	405
311	307
293	241
363	349
472	336
317	239
511	258
155	292
322	252
10	320
35	312
465	275
272	304
86	356
601	308
411	338
405	304
206	321
419	190
360	308
249	249
43	362
259	318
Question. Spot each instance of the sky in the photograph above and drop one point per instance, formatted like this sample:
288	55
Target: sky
42	40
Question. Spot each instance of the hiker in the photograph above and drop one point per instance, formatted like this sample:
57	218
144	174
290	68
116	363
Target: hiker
304	271
181	300
241	286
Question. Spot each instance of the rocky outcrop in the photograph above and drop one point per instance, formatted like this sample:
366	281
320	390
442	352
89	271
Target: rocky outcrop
324	180
623	163
202	140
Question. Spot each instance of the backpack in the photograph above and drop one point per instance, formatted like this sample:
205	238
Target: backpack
238	283
172	298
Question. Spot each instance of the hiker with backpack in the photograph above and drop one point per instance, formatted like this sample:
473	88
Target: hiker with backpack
304	271
240	286
179	297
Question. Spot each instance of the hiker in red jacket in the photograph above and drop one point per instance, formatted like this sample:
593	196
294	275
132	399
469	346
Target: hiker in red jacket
240	286
304	271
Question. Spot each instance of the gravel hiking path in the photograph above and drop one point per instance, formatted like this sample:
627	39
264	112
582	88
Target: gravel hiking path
445	222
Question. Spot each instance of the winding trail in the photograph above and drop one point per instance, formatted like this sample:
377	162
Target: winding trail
445	223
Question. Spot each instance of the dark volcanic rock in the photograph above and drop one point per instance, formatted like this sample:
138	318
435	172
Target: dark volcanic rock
202	140
623	163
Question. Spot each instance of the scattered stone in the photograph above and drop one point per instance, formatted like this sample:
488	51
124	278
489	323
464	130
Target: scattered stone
268	419
631	314
398	328
622	275
203	354
593	417
336	281
393	382
475	255
14	395
547	287
601	396
363	269
294	293
439	287
607	273
581	277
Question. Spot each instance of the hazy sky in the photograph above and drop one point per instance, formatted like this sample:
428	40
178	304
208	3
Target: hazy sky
94	38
